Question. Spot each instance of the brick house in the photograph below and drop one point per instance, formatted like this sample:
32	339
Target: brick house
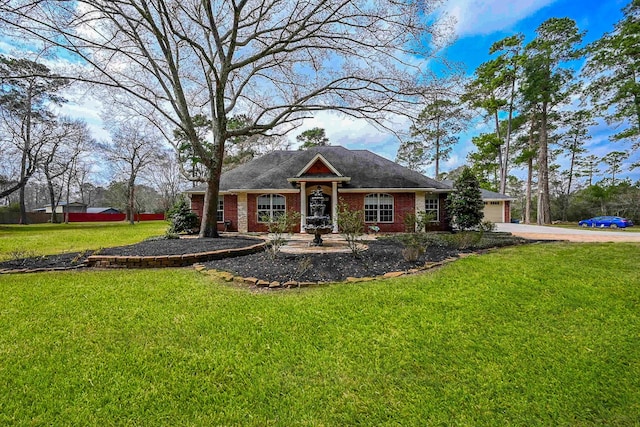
283	180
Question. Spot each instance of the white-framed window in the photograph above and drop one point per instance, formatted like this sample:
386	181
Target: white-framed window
270	206
220	211
378	208
432	207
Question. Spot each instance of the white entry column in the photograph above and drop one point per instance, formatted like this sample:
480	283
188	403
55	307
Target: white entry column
334	203
303	206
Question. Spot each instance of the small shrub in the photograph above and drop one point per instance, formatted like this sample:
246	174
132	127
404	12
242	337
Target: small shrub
182	219
487	226
304	265
414	247
424	220
278	227
351	226
12	208
412	253
410	222
80	256
463	240
418	223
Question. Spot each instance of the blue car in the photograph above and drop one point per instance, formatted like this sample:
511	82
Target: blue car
606	221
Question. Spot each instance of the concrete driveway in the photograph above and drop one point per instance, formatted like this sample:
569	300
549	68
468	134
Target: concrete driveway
573	235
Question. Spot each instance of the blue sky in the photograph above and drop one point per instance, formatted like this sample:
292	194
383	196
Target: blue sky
496	21
479	24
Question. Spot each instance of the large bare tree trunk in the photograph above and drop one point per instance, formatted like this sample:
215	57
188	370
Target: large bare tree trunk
25	159
208	224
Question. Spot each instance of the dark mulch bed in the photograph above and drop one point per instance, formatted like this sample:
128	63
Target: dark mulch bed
180	246
383	256
145	248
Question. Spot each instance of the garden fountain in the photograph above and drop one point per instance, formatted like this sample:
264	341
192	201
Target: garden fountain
318	223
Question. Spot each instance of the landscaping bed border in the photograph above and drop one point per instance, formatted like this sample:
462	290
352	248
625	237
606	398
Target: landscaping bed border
156	261
162	261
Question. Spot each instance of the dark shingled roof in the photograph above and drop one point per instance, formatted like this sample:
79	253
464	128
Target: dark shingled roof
486	194
366	170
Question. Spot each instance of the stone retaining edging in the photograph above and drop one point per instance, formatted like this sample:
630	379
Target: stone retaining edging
264	284
111	261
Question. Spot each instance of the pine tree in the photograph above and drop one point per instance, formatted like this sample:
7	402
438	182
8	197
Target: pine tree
612	67
315	137
436	131
546	85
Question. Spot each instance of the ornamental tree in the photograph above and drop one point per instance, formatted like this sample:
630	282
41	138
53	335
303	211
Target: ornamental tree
465	202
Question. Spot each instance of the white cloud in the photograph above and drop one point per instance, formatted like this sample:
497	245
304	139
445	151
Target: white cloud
88	109
355	134
477	17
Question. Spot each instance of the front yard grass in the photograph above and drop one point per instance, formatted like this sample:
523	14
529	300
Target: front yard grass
19	241
544	334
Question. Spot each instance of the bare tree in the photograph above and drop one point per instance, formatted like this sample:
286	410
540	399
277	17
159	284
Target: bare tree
274	61
27	89
132	148
82	180
165	177
66	143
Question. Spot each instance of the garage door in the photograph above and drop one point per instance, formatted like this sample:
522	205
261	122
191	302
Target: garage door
493	211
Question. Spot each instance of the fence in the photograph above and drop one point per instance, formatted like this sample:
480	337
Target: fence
32	217
39	217
99	217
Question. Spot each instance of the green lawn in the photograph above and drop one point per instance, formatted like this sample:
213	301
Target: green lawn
545	334
47	239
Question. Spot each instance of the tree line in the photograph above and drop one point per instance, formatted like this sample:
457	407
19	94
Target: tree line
220	82
539	99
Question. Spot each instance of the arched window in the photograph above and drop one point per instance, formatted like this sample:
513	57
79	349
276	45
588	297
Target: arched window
378	208
270	206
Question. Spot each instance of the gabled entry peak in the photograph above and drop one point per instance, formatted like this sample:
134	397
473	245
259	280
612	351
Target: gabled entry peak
319	166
